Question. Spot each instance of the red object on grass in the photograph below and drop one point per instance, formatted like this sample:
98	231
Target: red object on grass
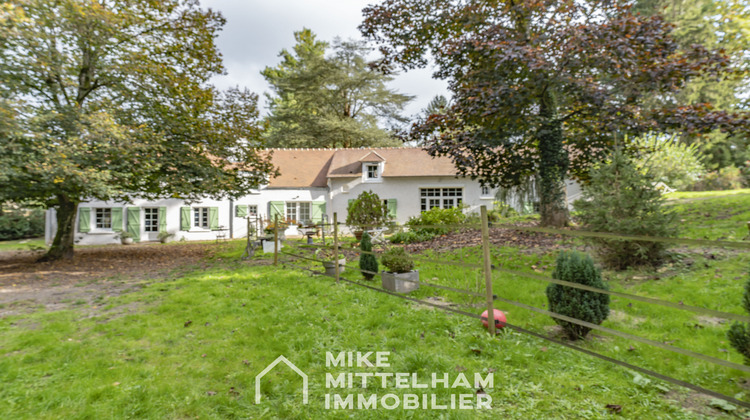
499	319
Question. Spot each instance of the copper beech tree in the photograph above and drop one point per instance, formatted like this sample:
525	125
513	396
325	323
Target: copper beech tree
109	99
545	87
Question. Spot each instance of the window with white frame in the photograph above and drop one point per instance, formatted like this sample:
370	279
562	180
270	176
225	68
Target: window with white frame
372	171
299	212
252	210
150	219
103	218
200	217
443	198
485	191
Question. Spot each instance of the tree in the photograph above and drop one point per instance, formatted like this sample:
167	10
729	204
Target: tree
109	100
544	87
622	199
329	102
714	24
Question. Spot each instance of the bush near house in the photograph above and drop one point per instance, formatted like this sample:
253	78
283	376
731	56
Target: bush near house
621	199
367	262
21	224
580	304
729	178
367	211
437	221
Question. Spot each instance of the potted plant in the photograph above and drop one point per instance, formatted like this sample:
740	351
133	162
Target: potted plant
165	237
400	277
329	261
367	211
126	238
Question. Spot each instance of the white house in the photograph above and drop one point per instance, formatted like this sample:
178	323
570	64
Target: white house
312	185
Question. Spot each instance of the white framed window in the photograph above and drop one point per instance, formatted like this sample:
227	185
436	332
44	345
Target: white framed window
373	171
486	192
299	211
443	198
200	217
103	218
252	210
151	219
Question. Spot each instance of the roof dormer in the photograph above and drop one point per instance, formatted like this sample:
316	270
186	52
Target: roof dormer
372	167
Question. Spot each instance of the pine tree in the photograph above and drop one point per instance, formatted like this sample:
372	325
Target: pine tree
580	304
621	199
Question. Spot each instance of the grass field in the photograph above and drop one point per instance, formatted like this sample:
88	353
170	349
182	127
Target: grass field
190	345
22	244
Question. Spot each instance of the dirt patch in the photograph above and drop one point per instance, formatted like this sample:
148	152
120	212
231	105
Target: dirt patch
711	321
93	275
498	236
694	402
623	318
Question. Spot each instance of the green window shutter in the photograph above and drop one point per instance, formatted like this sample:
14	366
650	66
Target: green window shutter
276	208
117	219
213	217
184	218
392	208
84	219
134	223
318	210
162	219
241	210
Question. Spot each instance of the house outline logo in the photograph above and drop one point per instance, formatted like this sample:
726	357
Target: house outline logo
273	365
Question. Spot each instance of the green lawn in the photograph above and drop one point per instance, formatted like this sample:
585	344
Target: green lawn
190	346
22	244
717	215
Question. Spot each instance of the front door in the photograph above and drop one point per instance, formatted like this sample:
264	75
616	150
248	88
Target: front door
150	224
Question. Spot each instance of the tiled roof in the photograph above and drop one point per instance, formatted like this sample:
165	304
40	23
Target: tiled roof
311	167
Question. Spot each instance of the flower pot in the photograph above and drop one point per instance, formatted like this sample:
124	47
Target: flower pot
268	246
126	241
330	267
400	282
358	234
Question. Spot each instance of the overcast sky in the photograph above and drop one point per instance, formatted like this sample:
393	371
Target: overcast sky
256	31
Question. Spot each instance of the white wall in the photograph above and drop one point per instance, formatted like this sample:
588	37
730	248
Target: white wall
406	192
239	225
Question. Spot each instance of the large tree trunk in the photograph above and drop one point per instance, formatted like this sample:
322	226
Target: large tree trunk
553	166
62	245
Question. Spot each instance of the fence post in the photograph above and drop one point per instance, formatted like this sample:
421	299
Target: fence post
276	239
487	269
336	245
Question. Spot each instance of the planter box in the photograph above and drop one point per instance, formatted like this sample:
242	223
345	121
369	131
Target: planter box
400	282
126	241
268	246
330	267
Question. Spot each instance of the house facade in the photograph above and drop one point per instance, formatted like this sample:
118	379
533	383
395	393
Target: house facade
312	185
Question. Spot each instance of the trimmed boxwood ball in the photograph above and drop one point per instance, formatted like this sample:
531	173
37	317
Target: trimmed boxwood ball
580	304
739	333
367	262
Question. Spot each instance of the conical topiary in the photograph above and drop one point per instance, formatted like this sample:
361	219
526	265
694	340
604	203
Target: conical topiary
576	303
739	333
367	262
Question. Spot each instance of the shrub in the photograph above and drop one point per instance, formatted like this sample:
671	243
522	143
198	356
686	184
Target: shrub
367	262
396	260
437	221
21	224
410	237
669	161
620	199
367	211
729	178
739	333
580	304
